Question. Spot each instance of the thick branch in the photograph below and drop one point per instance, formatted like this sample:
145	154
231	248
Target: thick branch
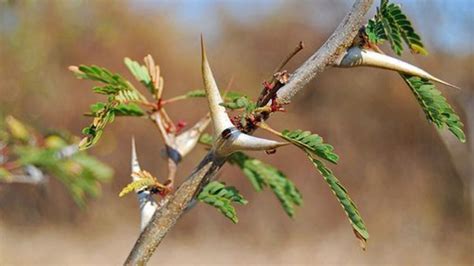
165	218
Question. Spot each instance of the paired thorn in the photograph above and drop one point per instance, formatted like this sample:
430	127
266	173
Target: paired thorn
357	56
228	138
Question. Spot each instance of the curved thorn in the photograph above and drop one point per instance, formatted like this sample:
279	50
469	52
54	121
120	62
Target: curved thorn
219	116
357	56
187	140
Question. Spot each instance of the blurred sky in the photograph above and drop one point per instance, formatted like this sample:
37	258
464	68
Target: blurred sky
455	36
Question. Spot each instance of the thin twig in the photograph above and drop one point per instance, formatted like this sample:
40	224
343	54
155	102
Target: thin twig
297	49
271	87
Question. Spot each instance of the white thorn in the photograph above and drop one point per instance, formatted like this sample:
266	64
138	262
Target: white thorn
238	141
219	116
146	201
134	160
187	140
357	56
251	143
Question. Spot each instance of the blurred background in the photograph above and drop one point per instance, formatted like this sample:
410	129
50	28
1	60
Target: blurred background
412	184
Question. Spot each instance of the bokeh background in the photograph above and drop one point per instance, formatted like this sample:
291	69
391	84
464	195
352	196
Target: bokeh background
412	184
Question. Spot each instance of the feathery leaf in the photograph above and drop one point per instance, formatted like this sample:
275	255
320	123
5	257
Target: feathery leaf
390	23
435	106
140	72
311	143
261	175
121	100
347	204
221	197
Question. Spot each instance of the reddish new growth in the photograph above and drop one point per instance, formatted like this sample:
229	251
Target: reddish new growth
160	189
180	125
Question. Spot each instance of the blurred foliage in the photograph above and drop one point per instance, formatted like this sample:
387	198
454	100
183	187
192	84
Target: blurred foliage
55	154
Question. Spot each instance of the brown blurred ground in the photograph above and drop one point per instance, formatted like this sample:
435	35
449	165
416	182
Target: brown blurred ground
416	203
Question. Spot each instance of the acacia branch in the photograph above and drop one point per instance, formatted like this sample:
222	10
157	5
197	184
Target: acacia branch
166	216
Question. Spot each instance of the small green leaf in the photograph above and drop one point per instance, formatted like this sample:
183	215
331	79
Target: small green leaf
130	109
375	32
140	73
437	109
391	24
347	204
261	175
103	115
121	100
221	197
311	143
97	107
95	73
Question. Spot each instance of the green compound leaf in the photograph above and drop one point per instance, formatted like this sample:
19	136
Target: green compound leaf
311	143
342	196
140	73
121	100
390	23
221	197
437	109
114	82
261	175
